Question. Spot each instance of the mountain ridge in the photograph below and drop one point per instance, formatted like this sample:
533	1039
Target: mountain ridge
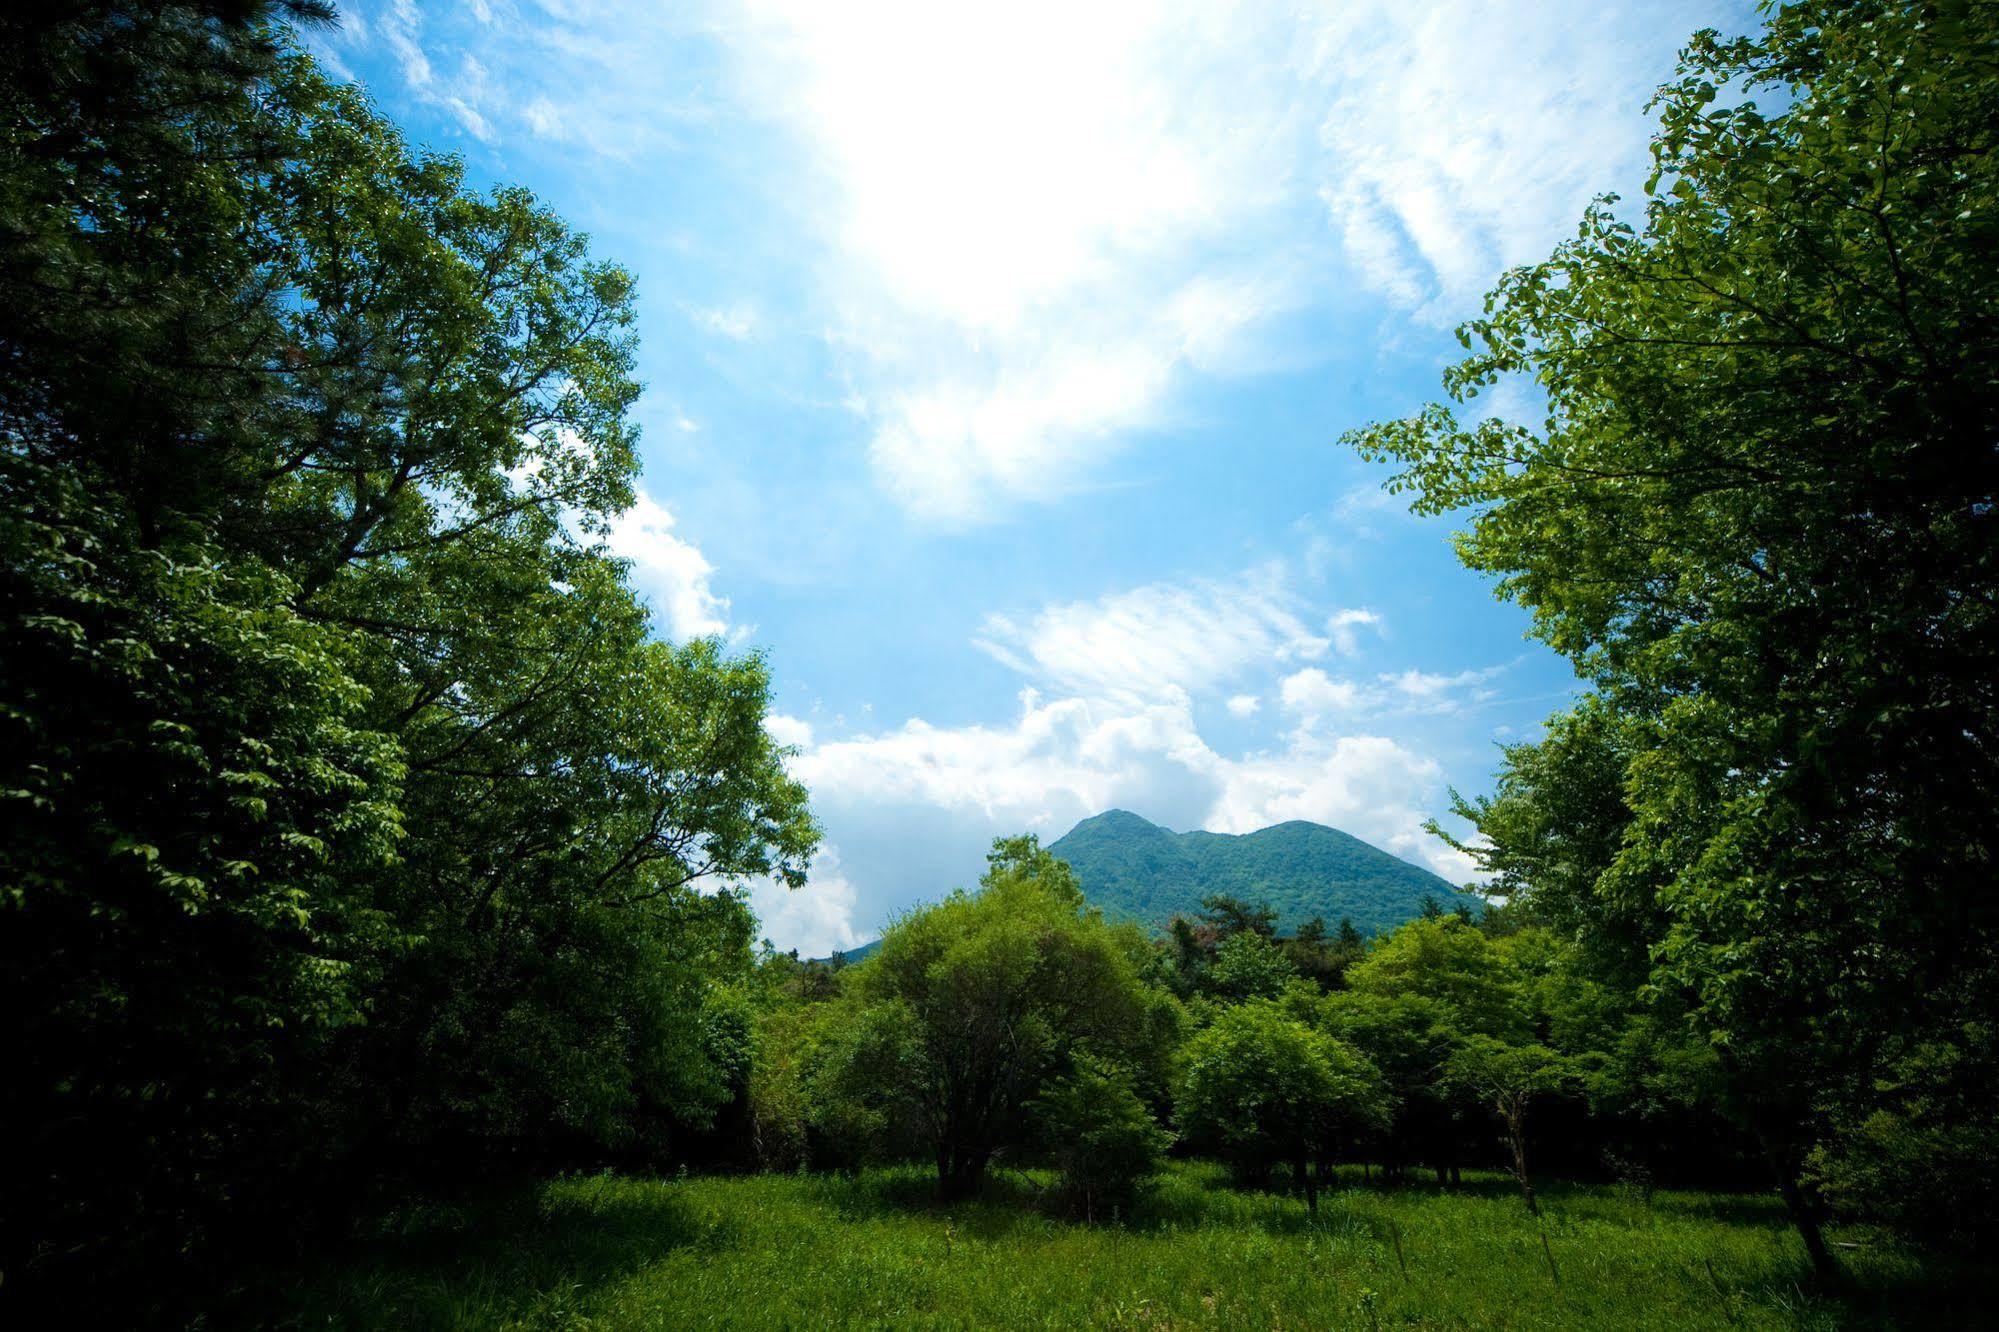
1134	869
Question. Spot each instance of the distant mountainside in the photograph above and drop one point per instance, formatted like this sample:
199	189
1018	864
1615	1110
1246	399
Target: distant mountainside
1133	868
1136	870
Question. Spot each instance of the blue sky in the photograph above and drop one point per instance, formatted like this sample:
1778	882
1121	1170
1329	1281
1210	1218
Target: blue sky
995	362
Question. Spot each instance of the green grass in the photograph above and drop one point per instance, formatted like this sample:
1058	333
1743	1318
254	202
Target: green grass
874	1251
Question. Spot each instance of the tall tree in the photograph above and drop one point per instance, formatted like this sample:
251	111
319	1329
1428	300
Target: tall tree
348	799
1758	514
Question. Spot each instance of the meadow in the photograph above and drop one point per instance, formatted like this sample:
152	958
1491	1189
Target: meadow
875	1250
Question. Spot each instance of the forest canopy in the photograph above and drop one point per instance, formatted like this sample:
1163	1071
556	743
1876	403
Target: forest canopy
353	810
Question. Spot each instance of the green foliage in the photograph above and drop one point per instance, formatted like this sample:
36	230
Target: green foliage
1443	959
193	809
984	997
1923	1155
1264	1089
1100	1135
1757	515
1249	966
1135	870
349	810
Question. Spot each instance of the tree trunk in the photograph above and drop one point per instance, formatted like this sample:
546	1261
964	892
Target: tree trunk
1516	1139
1302	1168
1804	1214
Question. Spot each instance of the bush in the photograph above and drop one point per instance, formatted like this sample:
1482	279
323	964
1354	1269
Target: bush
1101	1136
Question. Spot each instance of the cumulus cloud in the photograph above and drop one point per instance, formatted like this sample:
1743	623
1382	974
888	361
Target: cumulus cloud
670	570
1312	695
1060	760
817	918
1109	721
792	731
1343	624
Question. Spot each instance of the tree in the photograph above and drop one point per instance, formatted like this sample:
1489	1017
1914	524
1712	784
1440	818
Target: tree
1757	514
1229	916
1509	1079
1444	959
1103	1139
1250	966
1265	1089
350	805
993	994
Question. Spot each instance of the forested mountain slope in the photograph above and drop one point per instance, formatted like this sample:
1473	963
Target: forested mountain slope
1133	868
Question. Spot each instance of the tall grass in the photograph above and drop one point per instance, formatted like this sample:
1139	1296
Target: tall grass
874	1251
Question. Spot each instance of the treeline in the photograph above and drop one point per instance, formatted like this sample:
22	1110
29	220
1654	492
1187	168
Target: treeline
1014	1025
351	813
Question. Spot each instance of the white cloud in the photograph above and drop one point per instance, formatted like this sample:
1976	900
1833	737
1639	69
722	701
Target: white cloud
1043	219
794	731
815	919
1342	624
401	28
1244	705
1313	697
669	569
1029	227
913	788
1040	219
1159	640
1448	692
1462	138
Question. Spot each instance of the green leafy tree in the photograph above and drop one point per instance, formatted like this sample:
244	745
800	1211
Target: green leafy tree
1264	1089
1249	966
350	807
1101	1135
1409	1039
991	995
1229	916
1509	1079
1444	959
1756	514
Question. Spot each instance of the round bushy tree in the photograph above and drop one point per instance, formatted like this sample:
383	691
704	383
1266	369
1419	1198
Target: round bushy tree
1262	1088
1101	1135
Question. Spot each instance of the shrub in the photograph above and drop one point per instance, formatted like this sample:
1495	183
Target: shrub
1102	1138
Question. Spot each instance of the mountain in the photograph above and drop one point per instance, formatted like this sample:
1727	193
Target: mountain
1134	868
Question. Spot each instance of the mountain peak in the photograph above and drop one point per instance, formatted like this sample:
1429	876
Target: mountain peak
1133	868
1117	819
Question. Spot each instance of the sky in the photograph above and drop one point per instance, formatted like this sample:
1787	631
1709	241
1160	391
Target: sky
996	359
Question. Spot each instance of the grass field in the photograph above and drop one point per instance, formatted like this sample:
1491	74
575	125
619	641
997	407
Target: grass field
874	1251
